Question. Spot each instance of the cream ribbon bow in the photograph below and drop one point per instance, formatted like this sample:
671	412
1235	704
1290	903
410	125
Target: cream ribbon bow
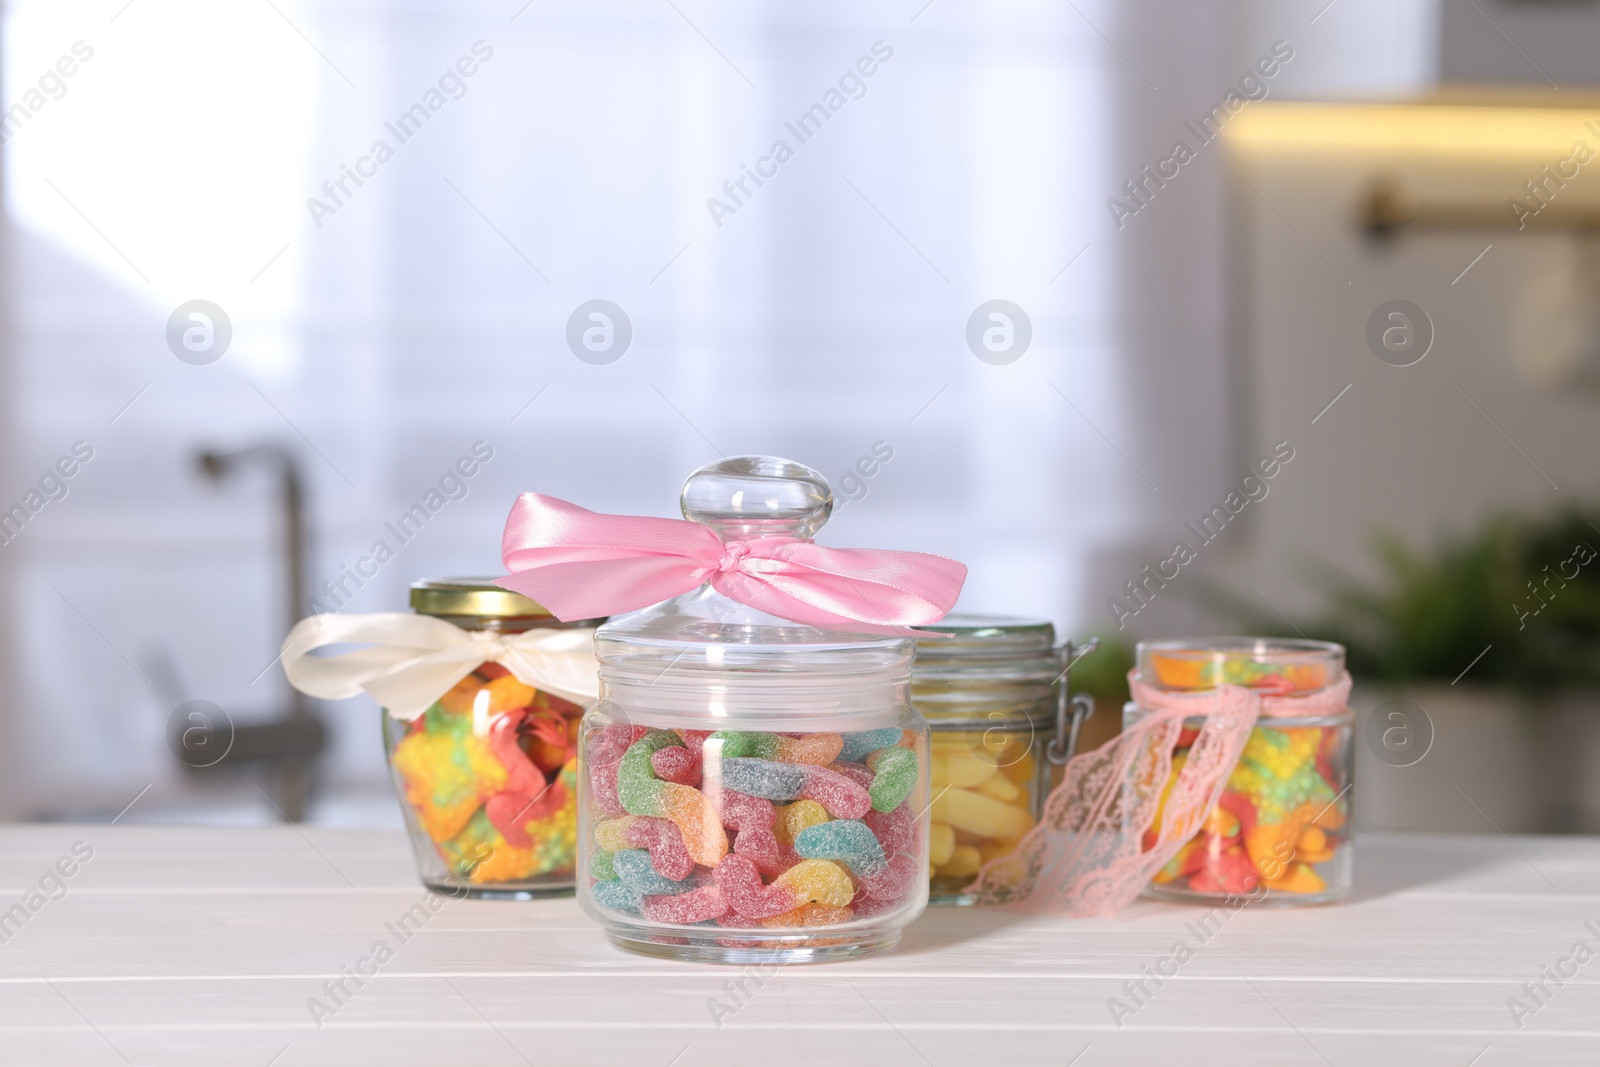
415	659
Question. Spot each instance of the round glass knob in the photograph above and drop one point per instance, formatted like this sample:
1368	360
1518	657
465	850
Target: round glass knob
758	496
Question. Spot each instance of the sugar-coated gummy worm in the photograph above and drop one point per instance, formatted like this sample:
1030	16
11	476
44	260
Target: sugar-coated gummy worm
740	882
696	906
617	895
846	840
894	773
661	837
818	882
642	793
633	868
839	793
857	745
792	818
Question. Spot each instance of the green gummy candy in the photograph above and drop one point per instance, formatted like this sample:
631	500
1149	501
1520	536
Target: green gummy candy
737	744
894	773
601	867
637	786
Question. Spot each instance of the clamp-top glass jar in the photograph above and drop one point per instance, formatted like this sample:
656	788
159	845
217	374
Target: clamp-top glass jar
751	789
994	691
487	775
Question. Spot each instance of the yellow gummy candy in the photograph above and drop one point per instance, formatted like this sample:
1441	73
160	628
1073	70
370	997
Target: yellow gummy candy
819	882
960	767
964	863
941	843
816	749
508	694
979	815
447	779
990	851
610	835
1001	789
792	818
1021	771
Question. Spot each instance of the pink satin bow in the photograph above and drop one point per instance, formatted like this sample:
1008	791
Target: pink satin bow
582	565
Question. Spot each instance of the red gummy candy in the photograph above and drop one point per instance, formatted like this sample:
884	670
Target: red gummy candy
694	740
740	883
676	764
1230	872
605	759
753	817
695	906
521	775
510	811
669	856
893	882
895	830
1241	807
490	671
843	798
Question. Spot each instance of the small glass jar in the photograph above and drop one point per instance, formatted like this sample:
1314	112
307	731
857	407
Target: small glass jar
487	775
1282	823
752	790
994	693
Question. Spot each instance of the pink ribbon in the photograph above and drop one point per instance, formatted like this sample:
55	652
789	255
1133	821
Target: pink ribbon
582	565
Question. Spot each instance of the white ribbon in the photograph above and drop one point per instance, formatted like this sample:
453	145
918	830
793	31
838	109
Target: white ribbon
415	659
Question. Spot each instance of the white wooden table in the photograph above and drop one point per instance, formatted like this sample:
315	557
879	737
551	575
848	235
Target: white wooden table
203	946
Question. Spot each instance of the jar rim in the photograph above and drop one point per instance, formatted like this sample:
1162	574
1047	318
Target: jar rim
473	597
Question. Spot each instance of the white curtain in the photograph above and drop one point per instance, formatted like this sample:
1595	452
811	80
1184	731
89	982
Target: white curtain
384	339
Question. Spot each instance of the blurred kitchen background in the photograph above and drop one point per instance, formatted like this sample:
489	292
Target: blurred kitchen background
1192	313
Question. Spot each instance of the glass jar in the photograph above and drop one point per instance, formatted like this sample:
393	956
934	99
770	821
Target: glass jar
487	775
1280	832
994	693
752	790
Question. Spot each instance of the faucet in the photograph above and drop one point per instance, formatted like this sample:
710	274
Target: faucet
291	743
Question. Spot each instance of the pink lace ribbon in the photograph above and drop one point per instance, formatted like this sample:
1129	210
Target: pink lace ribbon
1086	855
581	565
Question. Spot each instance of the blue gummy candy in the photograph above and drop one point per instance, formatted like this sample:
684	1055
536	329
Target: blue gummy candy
856	746
850	840
633	867
619	896
764	778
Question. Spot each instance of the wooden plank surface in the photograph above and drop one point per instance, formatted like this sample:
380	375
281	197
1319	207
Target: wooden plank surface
205	946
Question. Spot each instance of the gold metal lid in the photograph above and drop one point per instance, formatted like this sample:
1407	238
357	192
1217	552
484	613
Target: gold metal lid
472	596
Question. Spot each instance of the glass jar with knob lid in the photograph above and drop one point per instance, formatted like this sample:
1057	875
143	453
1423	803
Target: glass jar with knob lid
752	789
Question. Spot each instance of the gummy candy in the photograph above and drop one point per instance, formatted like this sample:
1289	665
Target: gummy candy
660	837
642	793
696	906
488	772
818	881
633	867
843	798
617	895
741	885
847	840
678	765
856	746
792	818
802	843
763	778
894	774
896	830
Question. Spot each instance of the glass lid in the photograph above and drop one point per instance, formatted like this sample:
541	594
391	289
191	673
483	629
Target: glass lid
743	498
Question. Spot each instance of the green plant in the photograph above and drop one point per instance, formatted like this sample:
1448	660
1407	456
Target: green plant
1521	592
